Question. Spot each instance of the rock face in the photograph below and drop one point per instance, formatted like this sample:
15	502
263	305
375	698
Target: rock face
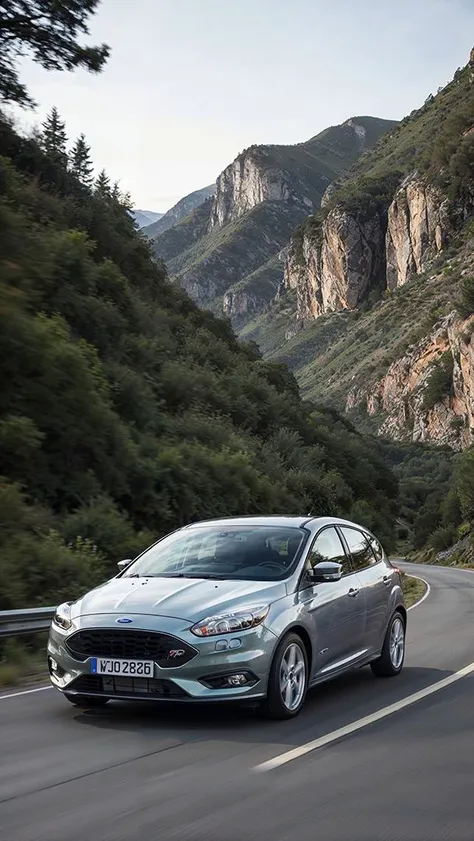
336	267
400	397
337	264
248	182
238	303
418	223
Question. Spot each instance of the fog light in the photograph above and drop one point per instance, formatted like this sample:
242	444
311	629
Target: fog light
237	680
229	681
53	666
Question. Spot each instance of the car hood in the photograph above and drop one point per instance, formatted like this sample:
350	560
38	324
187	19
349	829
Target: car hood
179	598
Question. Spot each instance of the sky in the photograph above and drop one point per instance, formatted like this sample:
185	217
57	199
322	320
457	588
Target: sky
191	83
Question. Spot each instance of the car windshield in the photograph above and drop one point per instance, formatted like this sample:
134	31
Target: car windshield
248	553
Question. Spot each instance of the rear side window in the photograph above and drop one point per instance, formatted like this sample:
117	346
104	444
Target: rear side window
376	547
361	551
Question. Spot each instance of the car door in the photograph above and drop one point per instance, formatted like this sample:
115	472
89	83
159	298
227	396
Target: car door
373	576
334	610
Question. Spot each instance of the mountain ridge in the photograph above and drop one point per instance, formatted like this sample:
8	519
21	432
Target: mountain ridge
259	199
179	211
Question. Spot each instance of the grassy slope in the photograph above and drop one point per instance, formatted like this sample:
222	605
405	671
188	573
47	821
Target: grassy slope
402	148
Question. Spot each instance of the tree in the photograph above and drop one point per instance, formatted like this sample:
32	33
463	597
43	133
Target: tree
47	30
465	303
53	138
124	199
102	185
80	161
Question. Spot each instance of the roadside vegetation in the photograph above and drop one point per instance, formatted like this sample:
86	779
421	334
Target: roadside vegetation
413	589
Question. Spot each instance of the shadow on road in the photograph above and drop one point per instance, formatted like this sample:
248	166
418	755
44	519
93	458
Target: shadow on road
327	707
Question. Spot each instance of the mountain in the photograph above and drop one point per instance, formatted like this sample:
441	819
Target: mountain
144	218
225	253
179	211
125	411
375	314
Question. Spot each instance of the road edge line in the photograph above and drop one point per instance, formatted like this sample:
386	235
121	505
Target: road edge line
348	729
24	692
425	594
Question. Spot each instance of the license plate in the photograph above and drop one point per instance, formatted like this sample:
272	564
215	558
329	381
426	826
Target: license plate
130	668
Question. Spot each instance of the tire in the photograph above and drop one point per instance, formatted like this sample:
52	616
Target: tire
85	700
275	706
390	662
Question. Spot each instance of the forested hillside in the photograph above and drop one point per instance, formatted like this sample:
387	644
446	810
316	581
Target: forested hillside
125	410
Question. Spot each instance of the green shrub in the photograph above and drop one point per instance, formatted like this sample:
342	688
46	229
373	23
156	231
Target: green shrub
440	381
465	302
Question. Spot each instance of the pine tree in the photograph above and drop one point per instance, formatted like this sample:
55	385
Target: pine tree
49	31
53	137
80	161
102	185
116	194
123	199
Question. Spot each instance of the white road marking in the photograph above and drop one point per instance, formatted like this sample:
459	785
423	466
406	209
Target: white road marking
24	692
425	595
300	751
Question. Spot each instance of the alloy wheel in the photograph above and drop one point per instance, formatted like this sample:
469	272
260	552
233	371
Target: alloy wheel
397	643
292	676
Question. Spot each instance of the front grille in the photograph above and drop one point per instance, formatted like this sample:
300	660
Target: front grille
120	644
122	686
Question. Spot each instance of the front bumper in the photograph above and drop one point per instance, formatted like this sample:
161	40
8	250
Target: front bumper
248	651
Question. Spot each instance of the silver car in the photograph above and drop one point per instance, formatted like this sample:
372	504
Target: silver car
253	609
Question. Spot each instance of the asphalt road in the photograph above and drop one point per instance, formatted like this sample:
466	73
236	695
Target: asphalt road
132	772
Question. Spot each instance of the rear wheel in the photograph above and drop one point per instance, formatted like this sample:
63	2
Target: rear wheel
288	680
85	700
390	663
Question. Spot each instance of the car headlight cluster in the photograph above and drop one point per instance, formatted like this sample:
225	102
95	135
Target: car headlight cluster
62	617
227	623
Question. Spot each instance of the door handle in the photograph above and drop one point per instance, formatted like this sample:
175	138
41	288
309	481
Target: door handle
353	592
386	580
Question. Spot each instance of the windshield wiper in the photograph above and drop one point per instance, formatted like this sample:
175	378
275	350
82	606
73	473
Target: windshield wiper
206	575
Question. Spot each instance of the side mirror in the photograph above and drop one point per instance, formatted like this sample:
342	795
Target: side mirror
124	564
326	571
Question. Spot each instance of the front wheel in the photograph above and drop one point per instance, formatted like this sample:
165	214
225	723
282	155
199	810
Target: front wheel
87	701
288	679
390	662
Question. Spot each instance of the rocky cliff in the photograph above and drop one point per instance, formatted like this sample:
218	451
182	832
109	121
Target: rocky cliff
253	178
417	229
394	211
339	259
335	267
427	395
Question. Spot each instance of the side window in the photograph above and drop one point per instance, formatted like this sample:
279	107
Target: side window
359	548
376	547
328	547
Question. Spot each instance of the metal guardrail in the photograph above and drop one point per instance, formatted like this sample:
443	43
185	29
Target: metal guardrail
28	621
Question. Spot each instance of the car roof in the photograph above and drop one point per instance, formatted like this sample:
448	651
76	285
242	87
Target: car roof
277	520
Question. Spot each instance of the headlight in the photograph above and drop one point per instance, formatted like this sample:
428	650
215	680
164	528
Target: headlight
227	623
62	617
